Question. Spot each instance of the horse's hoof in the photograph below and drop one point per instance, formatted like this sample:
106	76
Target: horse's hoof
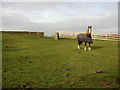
85	48
89	49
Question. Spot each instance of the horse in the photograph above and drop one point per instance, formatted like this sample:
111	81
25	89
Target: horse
85	38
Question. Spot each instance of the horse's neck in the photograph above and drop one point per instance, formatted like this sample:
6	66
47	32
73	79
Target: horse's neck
88	35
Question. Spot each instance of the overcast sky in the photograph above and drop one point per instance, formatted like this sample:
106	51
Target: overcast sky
60	16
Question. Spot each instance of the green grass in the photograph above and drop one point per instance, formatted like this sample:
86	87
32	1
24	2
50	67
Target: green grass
33	62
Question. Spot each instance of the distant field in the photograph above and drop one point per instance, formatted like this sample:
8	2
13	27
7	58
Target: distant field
33	62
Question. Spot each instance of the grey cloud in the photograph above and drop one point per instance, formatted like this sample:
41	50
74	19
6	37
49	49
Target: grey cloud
69	25
15	21
100	23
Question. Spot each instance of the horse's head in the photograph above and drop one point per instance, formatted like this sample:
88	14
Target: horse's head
89	30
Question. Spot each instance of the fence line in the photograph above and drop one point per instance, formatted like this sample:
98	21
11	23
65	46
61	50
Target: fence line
72	35
95	36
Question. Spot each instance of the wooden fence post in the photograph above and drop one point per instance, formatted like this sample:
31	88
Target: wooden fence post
42	34
56	36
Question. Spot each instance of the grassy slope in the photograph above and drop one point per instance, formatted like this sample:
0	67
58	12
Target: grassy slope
29	61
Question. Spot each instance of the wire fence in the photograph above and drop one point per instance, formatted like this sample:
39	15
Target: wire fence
95	36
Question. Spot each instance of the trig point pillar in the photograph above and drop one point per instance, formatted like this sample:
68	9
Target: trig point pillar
56	36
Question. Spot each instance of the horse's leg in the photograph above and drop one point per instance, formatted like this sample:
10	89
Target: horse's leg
89	47
85	46
79	44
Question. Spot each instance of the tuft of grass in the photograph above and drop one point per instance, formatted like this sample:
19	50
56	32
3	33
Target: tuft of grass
33	62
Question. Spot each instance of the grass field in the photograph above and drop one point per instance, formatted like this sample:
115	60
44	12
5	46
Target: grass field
33	62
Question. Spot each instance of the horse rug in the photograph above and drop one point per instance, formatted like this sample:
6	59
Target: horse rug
84	38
